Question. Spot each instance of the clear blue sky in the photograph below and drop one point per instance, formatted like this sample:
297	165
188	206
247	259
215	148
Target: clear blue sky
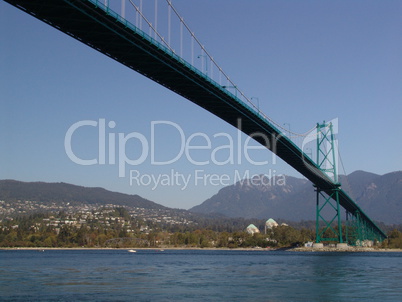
306	61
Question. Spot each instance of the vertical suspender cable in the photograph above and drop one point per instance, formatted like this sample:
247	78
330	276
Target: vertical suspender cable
192	48
123	8
156	18
181	37
151	27
169	20
141	11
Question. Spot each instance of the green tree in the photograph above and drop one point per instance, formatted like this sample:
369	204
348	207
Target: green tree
395	239
64	235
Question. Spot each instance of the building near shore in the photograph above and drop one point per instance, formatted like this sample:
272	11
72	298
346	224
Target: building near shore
270	224
252	229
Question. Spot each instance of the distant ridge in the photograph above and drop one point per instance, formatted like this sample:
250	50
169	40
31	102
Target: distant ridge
11	190
379	196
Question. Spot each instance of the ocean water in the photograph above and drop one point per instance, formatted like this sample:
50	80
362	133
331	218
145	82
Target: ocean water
198	275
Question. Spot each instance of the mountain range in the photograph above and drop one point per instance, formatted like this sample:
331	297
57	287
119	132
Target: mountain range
47	193
294	199
379	196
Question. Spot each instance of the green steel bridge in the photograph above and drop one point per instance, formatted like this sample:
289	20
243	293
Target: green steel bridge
96	24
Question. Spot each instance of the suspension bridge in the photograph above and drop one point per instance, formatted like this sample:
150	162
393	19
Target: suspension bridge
168	52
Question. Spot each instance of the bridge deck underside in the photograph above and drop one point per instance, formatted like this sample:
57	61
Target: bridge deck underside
92	26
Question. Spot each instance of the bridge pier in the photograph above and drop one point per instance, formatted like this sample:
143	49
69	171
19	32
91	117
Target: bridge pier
318	246
342	246
358	232
329	208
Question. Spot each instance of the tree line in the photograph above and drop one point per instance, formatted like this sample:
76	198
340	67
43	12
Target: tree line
33	232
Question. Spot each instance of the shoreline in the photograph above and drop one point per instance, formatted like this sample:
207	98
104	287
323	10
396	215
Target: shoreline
296	249
347	249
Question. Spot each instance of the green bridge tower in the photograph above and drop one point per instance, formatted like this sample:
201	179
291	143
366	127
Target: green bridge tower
327	207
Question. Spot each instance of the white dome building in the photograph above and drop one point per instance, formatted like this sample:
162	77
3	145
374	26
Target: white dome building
269	224
252	229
